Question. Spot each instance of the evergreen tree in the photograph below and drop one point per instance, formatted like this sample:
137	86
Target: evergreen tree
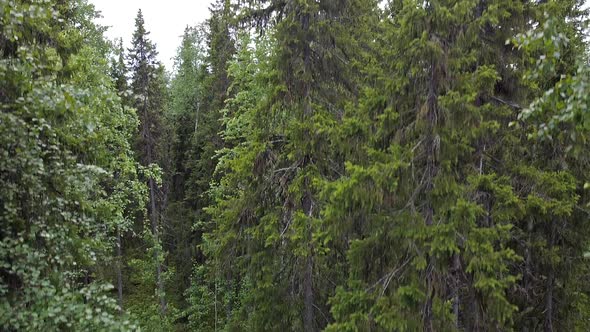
270	182
119	71
199	90
215	83
217	289
440	200
182	118
147	87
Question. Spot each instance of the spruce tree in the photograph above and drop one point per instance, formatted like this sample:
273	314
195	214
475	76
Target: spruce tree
442	240
215	83
146	85
181	118
279	259
199	90
219	286
119	71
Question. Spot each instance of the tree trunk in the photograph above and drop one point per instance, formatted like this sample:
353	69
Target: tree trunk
476	319
549	286
456	289
427	310
549	303
309	324
308	314
119	270
155	234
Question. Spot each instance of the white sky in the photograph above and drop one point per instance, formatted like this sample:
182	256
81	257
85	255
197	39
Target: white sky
165	20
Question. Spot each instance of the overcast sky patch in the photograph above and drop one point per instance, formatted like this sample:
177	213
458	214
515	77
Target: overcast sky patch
166	20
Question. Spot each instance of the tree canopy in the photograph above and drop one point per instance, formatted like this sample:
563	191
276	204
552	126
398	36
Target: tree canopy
306	165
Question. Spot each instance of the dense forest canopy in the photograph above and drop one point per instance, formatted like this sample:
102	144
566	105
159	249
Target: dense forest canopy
307	165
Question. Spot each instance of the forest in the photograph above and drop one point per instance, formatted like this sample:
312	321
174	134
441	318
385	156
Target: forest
307	165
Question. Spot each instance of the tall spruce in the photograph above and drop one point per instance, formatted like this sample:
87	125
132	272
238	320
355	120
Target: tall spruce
278	265
186	91
119	71
146	85
446	193
199	90
206	140
219	286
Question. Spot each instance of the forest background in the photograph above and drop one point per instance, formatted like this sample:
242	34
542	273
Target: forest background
338	165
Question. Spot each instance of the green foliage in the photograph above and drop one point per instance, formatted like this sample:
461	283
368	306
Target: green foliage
286	95
387	158
309	165
565	103
143	301
147	274
234	164
68	179
198	91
